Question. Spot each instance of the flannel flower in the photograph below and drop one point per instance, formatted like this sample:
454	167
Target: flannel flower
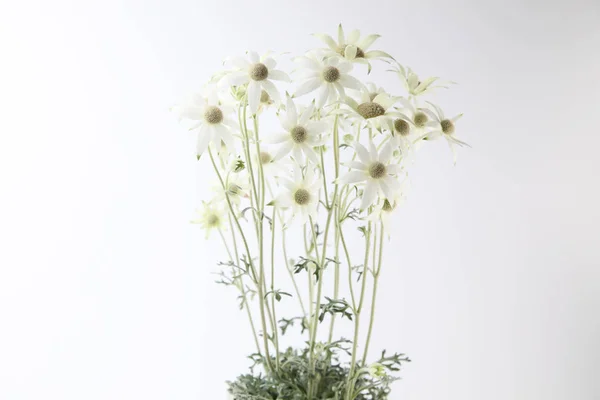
352	47
258	73
443	127
212	119
301	134
329	77
375	171
301	194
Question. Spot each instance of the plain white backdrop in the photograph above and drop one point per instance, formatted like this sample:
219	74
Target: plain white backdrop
492	284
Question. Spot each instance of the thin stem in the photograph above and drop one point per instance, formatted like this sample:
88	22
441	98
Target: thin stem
275	332
374	296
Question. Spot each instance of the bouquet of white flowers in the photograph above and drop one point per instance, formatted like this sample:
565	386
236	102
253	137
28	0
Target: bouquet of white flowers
338	162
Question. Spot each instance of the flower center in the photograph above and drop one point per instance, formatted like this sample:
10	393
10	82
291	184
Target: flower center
299	134
387	206
370	110
301	197
331	74
402	127
264	97
213	115
265	157
212	220
421	119
259	72
447	126
377	170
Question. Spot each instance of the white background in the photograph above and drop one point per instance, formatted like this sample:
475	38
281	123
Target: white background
492	284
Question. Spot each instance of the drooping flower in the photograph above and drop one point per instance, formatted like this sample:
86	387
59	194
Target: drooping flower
352	47
376	112
330	76
443	127
375	171
212	119
271	167
414	85
301	134
258	73
408	126
301	194
385	207
237	186
210	217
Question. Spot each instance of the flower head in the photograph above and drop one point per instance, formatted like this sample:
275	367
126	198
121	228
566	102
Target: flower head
301	134
352	47
441	126
258	73
212	119
210	217
376	112
414	85
301	195
329	76
375	171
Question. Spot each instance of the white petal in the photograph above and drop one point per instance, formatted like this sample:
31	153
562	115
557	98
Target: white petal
307	87
271	89
341	36
307	62
373	151
355	165
254	91
292	114
202	141
322	96
328	40
386	152
310	153
316	127
363	153
297	154
369	194
287	124
278	75
270	63
253	57
238	78
278	138
240	62
308	112
350	52
353	177
377	54
283	150
353	36
368	41
351	82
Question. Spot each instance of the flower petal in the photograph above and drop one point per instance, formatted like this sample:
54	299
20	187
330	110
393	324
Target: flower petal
307	87
353	177
363	153
369	194
254	91
278	75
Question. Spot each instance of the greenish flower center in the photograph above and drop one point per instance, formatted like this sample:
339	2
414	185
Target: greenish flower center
420	119
447	126
331	74
213	115
377	170
301	197
359	52
402	127
234	189
212	220
370	110
299	134
259	72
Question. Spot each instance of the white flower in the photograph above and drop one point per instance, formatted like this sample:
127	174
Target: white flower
443	127
301	134
258	73
212	120
210	217
376	112
375	170
271	166
330	76
301	194
409	126
385	207
237	186
352	47
414	85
